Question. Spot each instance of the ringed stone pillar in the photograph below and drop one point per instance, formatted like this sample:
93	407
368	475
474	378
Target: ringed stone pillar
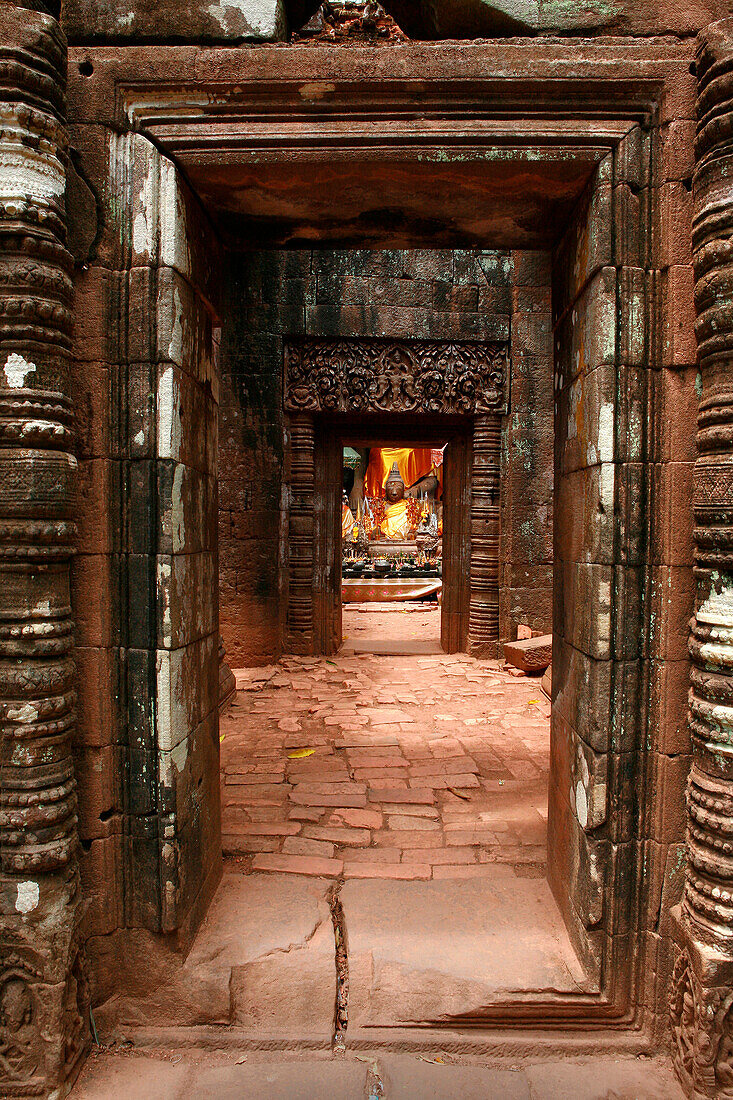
43	997
702	994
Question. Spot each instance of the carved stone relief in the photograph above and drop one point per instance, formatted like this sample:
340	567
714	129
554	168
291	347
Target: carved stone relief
43	999
369	376
702	994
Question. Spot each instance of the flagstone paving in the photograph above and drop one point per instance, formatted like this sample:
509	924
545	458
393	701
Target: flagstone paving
366	766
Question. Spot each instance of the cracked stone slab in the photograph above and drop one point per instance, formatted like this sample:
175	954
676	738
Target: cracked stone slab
430	951
264	960
271	937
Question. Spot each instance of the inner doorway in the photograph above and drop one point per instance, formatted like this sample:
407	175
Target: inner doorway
392	549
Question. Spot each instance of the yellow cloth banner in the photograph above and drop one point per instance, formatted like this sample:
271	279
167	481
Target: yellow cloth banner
412	462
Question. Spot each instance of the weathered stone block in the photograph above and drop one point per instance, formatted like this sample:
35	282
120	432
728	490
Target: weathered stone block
180	20
591	587
671	536
673	600
583	773
586	338
675	404
668	694
186	604
184	329
187	682
673	229
586	420
187	509
181	401
584	514
581	693
96	694
668	777
678	347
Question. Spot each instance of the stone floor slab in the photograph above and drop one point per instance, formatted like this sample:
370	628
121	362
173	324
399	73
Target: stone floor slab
427	951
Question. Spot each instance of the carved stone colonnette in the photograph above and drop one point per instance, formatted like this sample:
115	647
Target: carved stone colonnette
43	998
386	376
702	996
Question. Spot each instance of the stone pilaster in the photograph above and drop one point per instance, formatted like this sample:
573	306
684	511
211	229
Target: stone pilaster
483	624
702	995
43	998
301	533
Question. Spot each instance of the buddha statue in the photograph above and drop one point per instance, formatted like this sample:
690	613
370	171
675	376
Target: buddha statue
396	522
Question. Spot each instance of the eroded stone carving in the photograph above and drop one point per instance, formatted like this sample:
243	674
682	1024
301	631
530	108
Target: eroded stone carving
483	623
43	999
367	376
703	980
301	531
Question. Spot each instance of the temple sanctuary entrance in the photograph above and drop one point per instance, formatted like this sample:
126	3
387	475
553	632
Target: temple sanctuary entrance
392	548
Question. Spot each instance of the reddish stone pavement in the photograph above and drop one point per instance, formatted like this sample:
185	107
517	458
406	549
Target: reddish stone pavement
418	768
408	622
194	1073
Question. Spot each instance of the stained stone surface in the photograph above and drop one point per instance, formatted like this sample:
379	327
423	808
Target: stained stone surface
427	951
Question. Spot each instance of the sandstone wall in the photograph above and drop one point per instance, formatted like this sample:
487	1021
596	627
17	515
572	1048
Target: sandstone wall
145	574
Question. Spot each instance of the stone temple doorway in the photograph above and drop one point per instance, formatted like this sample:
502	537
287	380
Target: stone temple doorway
379	564
570	296
440	393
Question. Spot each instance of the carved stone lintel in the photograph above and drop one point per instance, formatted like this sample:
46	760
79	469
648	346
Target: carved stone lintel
411	376
702	996
43	994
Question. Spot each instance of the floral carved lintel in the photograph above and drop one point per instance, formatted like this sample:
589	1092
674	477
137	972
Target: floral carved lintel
422	376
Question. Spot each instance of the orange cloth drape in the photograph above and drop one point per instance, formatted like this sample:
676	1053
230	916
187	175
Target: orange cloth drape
347	522
412	462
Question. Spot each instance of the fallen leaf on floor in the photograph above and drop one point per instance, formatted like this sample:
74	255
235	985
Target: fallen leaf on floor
433	1061
533	702
300	754
221	737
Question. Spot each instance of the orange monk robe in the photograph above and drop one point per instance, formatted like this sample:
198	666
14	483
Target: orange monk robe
396	522
412	462
347	522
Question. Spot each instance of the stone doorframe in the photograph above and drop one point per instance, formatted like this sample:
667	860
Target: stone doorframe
581	108
380	377
600	114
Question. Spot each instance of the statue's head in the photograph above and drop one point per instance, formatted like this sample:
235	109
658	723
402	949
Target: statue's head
394	487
